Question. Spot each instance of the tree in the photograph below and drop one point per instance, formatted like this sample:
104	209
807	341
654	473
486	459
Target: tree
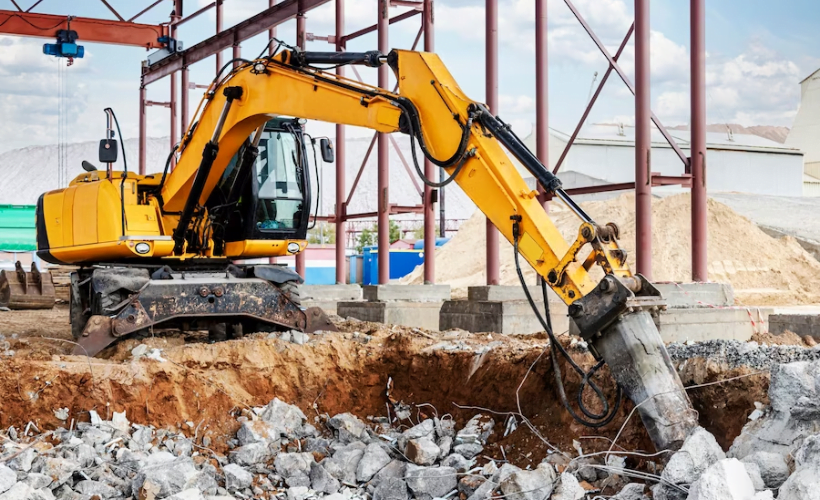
366	238
418	233
395	232
322	233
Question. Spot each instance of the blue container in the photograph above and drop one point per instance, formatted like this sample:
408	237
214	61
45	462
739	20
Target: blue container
402	263
419	244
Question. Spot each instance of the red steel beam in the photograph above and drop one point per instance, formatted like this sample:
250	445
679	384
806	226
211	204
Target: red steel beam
491	53
542	132
383	175
408	3
301	29
88	29
657	180
341	272
279	13
143	138
698	140
371	29
219	15
643	141
427	24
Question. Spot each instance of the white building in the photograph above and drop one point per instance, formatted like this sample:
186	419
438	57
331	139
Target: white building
805	132
605	154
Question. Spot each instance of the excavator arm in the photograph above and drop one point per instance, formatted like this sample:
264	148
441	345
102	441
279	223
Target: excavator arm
463	137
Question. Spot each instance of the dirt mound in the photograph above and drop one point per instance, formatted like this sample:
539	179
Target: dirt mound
763	270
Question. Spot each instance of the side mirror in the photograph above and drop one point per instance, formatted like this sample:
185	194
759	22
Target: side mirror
88	167
108	151
327	150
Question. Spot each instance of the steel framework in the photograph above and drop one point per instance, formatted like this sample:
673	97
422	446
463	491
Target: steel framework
24	22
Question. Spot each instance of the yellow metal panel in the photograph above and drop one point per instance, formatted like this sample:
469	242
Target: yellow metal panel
109	211
84	213
112	250
53	218
68	218
129	190
141	220
250	249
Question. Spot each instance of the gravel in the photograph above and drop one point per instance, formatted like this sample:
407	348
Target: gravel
736	354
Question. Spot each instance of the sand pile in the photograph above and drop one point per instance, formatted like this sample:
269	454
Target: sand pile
763	270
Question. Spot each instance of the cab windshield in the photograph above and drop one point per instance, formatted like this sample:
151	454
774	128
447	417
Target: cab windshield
280	182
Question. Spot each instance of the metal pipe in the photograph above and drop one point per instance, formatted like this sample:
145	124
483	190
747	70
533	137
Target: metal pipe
429	169
341	274
491	90
643	141
697	161
219	18
542	132
143	129
173	99
237	53
183	98
301	257
383	155
272	31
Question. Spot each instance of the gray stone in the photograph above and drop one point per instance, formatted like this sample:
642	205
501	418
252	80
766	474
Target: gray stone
298	493
424	429
373	460
298	480
189	494
204	480
568	488
725	480
299	338
142	436
699	451
772	467
92	488
236	478
632	491
468	450
789	383
169	477
85	455
41	494
446	427
801	485
59	470
469	484
396	468
256	431
391	488
808	453
20	491
348	427
291	464
286	419
250	454
457	462
344	463
754	474
529	484
37	481
422	451
445	445
427	483
95	435
22	462
7	478
322	481
477	430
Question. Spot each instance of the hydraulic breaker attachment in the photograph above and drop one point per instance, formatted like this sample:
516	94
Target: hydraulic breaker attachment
22	290
616	321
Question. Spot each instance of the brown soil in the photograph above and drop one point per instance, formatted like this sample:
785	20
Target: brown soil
339	372
785	338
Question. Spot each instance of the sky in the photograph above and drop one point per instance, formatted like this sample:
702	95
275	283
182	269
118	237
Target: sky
757	53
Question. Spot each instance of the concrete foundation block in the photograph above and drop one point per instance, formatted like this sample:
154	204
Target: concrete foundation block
801	324
497	292
327	297
699	324
405	313
412	293
498	316
679	295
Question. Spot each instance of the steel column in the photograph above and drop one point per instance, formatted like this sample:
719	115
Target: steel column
183	102
300	42
173	79
429	169
542	132
142	133
272	31
341	275
236	53
219	17
697	161
491	54
383	194
643	141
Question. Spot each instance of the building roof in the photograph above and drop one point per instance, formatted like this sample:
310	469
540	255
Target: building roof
616	135
811	75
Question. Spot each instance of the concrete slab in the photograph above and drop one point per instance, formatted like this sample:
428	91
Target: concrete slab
801	324
496	292
327	297
405	313
506	317
679	295
413	293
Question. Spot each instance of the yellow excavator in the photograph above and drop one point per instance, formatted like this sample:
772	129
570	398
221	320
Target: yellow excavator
156	250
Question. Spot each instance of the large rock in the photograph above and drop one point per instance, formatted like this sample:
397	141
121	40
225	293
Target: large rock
793	415
96	488
348	427
772	467
236	478
725	480
391	488
344	463
7	478
250	454
169	477
568	488
20	491
529	484
699	452
373	460
257	431
802	485
293	464
423	451
59	470
189	494
286	420
322	481
632	491
427	483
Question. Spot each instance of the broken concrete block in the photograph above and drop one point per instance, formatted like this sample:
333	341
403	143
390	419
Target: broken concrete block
348	427
632	491
427	483
772	467
285	419
37	481
96	488
291	464
426	429
343	464
170	477
477	430
529	484
373	460
236	478
298	493
189	494
22	462
801	485
59	470
20	491
568	488
7	478
468	450
457	462
298	480
754	474
322	481
468	485
725	480
391	488
423	451
256	431
41	494
699	451
250	454
809	453
445	445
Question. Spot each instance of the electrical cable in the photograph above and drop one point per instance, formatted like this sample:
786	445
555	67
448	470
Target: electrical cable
167	167
125	167
606	416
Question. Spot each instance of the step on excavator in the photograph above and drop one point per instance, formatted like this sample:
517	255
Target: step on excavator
157	250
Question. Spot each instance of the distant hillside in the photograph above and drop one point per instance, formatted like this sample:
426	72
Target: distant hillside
773	133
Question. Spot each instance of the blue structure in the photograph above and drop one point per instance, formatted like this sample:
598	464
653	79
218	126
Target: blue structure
402	263
419	245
